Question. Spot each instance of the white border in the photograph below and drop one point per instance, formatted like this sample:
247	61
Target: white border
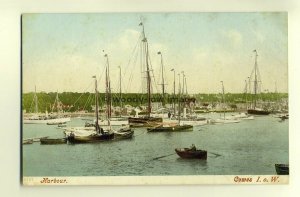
158	180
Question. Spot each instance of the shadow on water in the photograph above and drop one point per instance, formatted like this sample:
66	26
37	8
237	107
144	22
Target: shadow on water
192	162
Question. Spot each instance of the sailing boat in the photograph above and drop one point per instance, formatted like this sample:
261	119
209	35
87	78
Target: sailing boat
255	110
244	116
190	119
45	119
145	120
111	121
162	112
225	119
125	131
95	134
171	127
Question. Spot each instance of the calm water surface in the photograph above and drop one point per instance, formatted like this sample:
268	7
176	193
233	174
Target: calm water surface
250	147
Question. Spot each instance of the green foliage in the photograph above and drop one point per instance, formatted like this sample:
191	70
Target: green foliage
73	101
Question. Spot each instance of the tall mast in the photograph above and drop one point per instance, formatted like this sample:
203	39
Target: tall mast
120	89
186	92
108	89
183	82
144	40
174	93
162	77
179	89
255	78
96	103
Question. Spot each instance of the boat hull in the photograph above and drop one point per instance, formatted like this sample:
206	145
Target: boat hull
187	153
171	128
124	134
91	138
53	141
226	121
47	121
143	121
258	112
282	169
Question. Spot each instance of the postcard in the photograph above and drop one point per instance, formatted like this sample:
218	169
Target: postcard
154	98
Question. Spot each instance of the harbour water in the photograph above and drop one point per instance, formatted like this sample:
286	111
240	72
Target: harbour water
250	147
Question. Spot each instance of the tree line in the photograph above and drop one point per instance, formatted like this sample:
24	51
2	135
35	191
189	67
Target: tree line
75	101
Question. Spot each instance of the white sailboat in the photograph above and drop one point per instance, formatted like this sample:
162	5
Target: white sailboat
171	126
96	133
46	118
224	120
89	134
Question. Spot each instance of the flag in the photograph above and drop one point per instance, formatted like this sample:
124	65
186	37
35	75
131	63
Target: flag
158	52
105	55
140	24
172	69
94	76
254	50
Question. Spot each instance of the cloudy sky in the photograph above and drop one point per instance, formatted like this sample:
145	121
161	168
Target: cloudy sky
63	51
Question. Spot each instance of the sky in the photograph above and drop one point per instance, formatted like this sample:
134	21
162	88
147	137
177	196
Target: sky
61	52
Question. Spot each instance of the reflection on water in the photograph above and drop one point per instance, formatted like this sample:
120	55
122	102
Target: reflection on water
249	147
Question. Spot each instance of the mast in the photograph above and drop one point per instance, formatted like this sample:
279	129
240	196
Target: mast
120	89
144	40
56	103
246	92
223	99
255	78
108	89
186	92
183	82
96	110
174	92
179	89
162	77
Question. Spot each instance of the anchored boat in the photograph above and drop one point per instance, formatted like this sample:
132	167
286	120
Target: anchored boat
46	119
145	120
282	169
53	141
170	128
255	110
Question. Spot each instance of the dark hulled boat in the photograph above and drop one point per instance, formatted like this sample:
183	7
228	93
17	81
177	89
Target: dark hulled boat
96	137
254	110
282	169
143	121
168	128
188	153
258	112
53	141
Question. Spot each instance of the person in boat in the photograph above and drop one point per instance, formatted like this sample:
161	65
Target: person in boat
193	147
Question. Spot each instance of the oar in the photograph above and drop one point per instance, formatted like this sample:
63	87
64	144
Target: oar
163	156
217	155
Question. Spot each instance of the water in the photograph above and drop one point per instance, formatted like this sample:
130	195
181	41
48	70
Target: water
250	147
